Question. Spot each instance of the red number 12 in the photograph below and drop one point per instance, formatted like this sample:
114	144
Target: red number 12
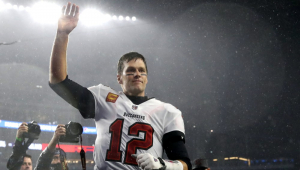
114	153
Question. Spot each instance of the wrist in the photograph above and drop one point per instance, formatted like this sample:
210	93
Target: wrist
19	139
173	165
61	36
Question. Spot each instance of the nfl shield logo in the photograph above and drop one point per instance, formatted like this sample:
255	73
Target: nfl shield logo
134	107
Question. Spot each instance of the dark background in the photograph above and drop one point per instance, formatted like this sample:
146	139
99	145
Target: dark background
231	67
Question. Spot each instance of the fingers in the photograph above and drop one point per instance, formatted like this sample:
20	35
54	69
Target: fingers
23	124
63	10
68	8
71	10
134	156
23	127
77	12
60	130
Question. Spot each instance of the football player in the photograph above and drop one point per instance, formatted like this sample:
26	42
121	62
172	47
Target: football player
133	130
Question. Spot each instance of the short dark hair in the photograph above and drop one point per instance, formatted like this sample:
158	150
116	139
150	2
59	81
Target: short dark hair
128	57
27	156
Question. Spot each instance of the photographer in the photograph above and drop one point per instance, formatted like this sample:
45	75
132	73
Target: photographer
53	158
19	160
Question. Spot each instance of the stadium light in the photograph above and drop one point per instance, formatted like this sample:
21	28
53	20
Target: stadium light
45	12
8	6
2	5
108	17
48	12
121	17
91	17
15	7
21	8
28	9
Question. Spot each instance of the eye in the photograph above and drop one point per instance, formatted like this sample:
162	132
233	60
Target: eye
130	70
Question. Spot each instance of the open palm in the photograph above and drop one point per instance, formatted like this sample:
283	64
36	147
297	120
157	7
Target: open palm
68	19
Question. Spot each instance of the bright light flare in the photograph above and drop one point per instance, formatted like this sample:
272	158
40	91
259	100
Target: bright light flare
127	18
2	5
21	8
28	9
121	17
91	17
133	18
8	6
45	12
15	7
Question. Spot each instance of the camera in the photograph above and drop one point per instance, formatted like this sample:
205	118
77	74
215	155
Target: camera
73	130
34	130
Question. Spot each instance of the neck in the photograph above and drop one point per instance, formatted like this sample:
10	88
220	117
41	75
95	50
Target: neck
135	94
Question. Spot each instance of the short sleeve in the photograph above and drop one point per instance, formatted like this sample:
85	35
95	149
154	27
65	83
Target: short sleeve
173	120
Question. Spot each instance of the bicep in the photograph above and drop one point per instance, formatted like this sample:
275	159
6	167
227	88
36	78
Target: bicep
76	95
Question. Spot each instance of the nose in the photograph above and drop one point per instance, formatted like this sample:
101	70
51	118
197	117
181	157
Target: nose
137	73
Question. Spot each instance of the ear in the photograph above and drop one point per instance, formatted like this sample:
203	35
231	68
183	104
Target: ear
119	78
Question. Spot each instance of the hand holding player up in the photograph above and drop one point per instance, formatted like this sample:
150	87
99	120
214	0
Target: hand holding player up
23	128
68	19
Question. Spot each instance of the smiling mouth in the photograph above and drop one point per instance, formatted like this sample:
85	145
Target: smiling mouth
137	81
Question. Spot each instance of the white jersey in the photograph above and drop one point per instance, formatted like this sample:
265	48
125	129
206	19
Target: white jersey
124	128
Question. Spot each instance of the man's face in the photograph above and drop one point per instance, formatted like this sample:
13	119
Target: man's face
133	79
27	164
56	159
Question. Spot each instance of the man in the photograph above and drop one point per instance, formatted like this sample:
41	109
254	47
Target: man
53	158
19	160
132	129
27	163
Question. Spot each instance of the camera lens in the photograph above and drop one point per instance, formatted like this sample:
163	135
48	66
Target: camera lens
75	129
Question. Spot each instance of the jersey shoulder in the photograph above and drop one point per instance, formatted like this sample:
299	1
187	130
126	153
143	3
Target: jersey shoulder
168	107
100	88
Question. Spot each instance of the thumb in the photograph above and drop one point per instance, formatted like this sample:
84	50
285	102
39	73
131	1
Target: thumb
134	155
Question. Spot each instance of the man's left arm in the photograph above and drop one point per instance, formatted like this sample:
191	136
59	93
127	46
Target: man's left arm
173	143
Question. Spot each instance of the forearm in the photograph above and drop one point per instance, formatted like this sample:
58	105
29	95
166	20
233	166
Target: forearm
58	60
185	167
52	144
15	160
44	160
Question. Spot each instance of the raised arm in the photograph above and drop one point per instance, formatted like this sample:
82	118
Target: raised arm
46	156
58	61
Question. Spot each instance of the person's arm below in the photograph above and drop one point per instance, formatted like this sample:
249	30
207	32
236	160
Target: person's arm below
46	156
16	159
58	61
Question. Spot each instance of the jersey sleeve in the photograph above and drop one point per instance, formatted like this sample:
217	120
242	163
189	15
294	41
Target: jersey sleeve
96	91
173	120
76	95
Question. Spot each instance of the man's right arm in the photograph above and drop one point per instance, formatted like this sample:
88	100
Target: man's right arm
58	61
78	96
